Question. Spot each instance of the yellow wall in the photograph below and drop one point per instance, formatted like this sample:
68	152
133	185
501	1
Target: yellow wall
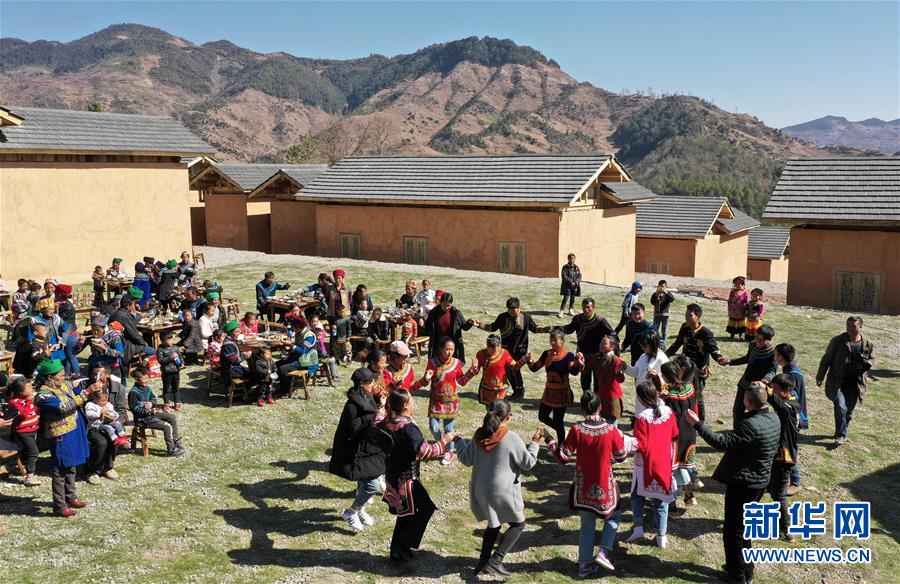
603	242
768	270
679	253
62	219
721	257
294	227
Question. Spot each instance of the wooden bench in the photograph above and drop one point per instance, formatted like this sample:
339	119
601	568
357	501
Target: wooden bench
232	386
299	376
417	345
323	370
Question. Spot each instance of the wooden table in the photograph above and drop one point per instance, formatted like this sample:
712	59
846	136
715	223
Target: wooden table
283	303
116	286
275	341
6	361
154	331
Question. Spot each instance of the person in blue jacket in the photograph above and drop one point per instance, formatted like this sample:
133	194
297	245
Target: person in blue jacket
266	288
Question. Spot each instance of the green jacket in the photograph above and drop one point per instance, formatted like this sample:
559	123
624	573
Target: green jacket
749	449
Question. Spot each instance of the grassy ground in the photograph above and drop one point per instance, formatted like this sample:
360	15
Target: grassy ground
253	502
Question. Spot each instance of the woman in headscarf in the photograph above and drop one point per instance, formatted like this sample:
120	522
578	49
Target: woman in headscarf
337	294
66	431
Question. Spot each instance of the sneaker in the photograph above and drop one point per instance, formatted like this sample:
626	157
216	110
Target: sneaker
697	483
177	451
840	440
178	407
637	534
662	542
560	315
32	480
352	519
382	485
570	312
167	408
270	400
602	559
121	441
261	402
111	474
365	517
93	479
448	458
585	570
793	490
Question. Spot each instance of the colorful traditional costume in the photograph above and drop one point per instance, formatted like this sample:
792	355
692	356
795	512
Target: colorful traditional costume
607	382
495	377
738	301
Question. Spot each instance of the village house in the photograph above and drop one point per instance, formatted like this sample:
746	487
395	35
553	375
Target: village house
237	214
695	237
519	214
767	253
63	174
844	215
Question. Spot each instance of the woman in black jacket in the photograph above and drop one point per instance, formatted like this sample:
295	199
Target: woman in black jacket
445	320
358	452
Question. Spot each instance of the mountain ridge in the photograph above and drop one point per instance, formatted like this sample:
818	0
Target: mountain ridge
875	133
472	95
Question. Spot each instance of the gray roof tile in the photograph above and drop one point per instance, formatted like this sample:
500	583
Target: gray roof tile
506	180
100	132
250	176
768	242
673	216
740	222
837	190
629	192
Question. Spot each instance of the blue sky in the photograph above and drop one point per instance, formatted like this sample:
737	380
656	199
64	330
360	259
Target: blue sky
785	62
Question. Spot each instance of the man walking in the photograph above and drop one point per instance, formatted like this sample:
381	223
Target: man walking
844	368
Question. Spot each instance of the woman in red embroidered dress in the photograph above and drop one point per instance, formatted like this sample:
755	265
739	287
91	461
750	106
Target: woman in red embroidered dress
443	404
594	492
405	495
608	371
655	431
496	363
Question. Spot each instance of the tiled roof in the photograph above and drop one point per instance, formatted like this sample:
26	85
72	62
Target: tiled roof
628	192
304	174
837	190
98	132
250	176
508	180
768	242
673	216
740	222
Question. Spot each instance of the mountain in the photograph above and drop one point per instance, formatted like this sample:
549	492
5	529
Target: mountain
474	95
836	130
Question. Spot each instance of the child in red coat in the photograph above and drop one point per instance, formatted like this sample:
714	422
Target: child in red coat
25	425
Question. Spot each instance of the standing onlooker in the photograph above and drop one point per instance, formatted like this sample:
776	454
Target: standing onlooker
738	301
745	471
627	303
169	357
846	362
661	299
498	457
570	287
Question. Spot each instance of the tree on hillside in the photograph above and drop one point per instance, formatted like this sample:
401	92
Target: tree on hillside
370	136
95	106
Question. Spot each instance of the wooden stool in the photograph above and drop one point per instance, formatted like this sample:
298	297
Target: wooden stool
234	386
199	261
417	344
139	434
299	376
323	368
20	466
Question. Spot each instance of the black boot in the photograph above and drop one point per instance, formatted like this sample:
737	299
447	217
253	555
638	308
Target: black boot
495	566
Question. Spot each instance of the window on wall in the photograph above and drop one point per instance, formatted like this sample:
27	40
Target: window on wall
857	291
415	250
657	267
351	246
512	257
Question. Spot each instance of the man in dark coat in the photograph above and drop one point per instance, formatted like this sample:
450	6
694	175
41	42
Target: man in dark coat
445	320
700	345
589	328
514	326
844	368
127	316
745	470
358	451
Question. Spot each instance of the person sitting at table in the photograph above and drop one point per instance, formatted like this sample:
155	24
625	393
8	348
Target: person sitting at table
57	330
186	269
232	358
168	280
296	359
191	338
191	302
361	300
337	294
127	315
319	291
315	324
409	328
408	299
208	324
378	330
292	313
214	299
265	289
107	346
49	289
214	349
248	325
142	282
115	271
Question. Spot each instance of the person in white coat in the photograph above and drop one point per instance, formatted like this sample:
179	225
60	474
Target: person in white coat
652	358
498	458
